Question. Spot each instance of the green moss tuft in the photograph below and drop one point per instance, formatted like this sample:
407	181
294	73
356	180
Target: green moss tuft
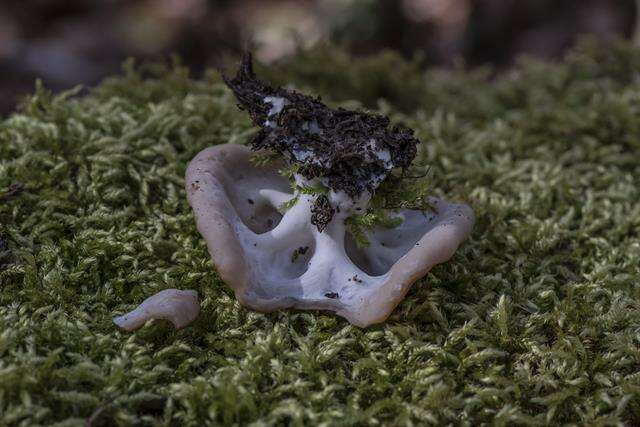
535	320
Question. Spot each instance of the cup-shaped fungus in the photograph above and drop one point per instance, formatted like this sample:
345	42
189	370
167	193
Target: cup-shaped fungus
284	242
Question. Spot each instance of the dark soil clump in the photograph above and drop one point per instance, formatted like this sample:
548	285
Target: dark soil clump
350	151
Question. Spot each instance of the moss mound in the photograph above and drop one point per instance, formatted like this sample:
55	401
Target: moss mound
535	321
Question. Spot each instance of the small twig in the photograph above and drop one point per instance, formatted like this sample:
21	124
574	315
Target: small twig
97	412
403	176
14	189
4	251
635	37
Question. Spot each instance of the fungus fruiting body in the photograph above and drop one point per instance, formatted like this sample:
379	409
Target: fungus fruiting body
285	242
256	250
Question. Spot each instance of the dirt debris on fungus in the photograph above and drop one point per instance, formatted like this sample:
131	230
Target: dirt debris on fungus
349	151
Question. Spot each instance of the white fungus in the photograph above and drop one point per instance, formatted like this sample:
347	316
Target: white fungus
179	307
277	104
275	261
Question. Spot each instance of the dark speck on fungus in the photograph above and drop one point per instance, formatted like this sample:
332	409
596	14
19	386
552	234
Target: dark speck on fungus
299	251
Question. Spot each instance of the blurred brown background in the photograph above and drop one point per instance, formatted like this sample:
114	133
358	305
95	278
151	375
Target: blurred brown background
67	42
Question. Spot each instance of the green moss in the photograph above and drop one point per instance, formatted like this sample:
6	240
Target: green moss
534	321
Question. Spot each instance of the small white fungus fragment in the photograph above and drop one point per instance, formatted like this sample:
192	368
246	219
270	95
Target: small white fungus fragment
277	104
302	155
385	156
312	127
382	154
179	307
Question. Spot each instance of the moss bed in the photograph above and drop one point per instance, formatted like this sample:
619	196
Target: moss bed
535	321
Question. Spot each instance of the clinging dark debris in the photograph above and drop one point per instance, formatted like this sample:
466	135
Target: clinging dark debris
299	251
352	151
321	212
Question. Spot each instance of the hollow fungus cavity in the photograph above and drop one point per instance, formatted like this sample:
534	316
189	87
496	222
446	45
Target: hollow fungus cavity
280	218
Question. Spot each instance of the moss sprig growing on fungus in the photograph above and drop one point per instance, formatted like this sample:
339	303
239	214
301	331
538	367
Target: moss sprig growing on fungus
347	152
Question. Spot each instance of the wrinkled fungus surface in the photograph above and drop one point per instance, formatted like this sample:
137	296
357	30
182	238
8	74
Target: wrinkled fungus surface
275	261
